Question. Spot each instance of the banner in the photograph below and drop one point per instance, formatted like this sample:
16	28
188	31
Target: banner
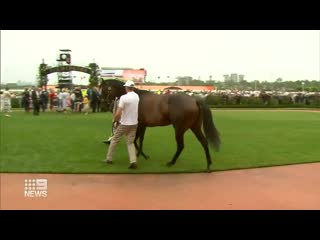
138	76
67	68
111	73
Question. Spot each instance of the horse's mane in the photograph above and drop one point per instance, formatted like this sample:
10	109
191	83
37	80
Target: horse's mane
119	84
141	92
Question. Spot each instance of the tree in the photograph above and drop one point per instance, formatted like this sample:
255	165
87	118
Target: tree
42	77
94	76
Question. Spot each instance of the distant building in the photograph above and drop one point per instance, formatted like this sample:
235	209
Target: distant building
234	77
184	80
226	77
241	77
11	85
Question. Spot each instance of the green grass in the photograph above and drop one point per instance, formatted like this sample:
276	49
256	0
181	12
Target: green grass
72	143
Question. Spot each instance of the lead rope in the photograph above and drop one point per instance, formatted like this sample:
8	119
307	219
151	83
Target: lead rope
115	107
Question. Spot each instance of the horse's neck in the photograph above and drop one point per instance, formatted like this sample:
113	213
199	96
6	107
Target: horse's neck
121	92
142	92
137	91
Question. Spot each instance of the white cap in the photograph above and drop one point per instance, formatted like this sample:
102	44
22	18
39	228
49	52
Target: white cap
129	83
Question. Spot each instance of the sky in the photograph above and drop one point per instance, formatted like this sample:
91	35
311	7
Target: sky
258	54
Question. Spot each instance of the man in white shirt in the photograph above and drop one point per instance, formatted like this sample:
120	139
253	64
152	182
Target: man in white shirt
127	115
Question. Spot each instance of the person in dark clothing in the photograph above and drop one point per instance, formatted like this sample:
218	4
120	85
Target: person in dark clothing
25	100
95	98
35	95
89	92
44	99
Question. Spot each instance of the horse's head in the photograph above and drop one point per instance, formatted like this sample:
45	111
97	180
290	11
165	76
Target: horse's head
110	89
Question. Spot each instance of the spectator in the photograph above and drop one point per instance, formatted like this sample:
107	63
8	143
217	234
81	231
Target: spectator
36	100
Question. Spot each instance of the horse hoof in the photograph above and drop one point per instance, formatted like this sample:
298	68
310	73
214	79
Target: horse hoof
209	170
145	156
169	164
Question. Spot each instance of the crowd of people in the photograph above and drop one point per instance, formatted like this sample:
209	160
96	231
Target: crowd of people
125	110
61	100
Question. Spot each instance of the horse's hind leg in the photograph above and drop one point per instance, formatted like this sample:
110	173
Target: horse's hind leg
180	145
201	138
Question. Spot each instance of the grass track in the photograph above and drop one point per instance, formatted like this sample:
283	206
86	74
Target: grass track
71	143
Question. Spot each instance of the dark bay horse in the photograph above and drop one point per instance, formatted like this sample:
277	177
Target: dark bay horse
180	110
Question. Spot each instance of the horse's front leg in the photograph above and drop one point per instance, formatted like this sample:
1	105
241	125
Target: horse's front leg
179	132
140	135
136	144
141	138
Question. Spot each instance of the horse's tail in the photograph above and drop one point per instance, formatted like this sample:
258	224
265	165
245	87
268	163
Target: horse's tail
210	130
